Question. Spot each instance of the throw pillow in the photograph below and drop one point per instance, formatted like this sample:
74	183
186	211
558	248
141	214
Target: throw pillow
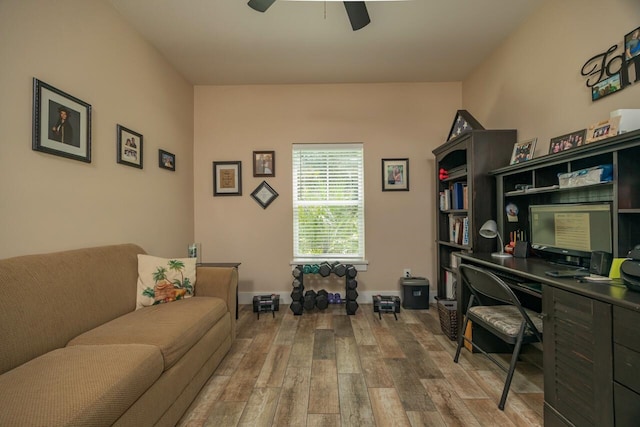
162	280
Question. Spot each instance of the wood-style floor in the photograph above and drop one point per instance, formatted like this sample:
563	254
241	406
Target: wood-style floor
325	368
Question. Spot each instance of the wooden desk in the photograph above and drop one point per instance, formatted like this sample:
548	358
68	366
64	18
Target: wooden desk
590	337
224	264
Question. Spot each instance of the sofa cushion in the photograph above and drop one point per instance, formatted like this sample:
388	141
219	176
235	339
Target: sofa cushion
174	328
162	280
88	385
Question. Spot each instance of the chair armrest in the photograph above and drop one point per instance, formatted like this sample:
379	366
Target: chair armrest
221	282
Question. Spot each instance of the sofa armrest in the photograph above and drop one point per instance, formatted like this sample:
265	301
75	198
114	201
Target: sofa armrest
221	282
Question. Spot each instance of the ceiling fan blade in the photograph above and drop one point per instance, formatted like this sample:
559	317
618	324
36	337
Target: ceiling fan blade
358	15
260	5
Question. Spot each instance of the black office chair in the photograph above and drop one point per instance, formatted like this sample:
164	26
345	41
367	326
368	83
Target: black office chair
494	306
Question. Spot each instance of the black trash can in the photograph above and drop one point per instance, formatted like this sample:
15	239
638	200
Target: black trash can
415	293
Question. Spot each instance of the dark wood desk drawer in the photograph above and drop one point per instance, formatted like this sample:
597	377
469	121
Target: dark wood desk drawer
627	406
625	328
626	367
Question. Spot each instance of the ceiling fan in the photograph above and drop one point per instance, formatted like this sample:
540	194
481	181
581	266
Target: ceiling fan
356	10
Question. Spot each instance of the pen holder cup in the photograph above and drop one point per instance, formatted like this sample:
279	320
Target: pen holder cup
521	250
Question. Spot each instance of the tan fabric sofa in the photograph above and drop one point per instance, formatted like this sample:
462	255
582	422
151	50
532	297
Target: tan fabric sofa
74	351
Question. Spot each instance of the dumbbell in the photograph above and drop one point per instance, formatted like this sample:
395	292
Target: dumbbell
352	284
297	294
297	272
339	270
352	307
322	299
297	283
296	308
325	269
309	300
352	294
351	272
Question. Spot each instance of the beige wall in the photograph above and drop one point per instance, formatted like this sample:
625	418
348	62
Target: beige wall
392	120
533	82
52	203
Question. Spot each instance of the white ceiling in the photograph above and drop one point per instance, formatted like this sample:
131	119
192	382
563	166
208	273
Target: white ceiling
223	42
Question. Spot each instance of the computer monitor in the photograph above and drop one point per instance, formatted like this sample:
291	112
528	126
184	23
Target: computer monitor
572	230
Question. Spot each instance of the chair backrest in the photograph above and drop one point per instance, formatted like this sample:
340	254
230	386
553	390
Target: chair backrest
484	282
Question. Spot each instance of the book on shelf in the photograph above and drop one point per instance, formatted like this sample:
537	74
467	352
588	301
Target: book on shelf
457	229
445	199
450	285
454	260
457	195
465	196
465	231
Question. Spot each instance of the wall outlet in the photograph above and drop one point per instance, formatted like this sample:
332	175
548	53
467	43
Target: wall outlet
406	272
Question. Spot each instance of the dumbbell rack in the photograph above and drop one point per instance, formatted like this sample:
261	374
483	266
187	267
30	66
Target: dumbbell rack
305	301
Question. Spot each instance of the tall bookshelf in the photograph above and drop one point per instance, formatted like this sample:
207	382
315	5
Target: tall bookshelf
467	158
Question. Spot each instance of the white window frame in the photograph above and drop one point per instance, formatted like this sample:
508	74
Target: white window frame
356	259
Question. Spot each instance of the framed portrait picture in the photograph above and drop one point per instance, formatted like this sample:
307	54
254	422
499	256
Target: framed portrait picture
567	142
264	163
61	123
129	147
395	174
264	194
632	44
166	160
227	178
523	151
603	130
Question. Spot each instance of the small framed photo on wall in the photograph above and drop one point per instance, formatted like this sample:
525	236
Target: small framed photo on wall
395	174
129	147
264	163
166	160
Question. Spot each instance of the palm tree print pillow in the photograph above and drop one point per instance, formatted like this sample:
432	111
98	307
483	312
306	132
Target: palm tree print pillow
162	280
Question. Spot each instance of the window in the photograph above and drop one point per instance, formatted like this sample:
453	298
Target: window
328	202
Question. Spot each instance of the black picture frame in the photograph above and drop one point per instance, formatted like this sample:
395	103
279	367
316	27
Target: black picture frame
166	160
568	141
130	147
264	194
264	163
606	87
61	123
395	174
463	123
227	178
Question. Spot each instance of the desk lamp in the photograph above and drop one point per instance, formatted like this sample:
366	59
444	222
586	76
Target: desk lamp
489	230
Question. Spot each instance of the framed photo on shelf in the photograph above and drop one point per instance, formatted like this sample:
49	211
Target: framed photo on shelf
568	141
264	163
603	130
61	123
166	160
227	178
395	174
264	194
129	147
523	151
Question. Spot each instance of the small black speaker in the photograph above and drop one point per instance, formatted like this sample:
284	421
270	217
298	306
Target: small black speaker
600	263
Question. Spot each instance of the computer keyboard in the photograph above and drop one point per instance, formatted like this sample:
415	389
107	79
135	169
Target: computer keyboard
571	272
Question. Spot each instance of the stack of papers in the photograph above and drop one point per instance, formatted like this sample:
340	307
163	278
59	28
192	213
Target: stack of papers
596	278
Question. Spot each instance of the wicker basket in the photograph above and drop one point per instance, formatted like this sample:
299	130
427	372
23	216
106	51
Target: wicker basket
448	312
